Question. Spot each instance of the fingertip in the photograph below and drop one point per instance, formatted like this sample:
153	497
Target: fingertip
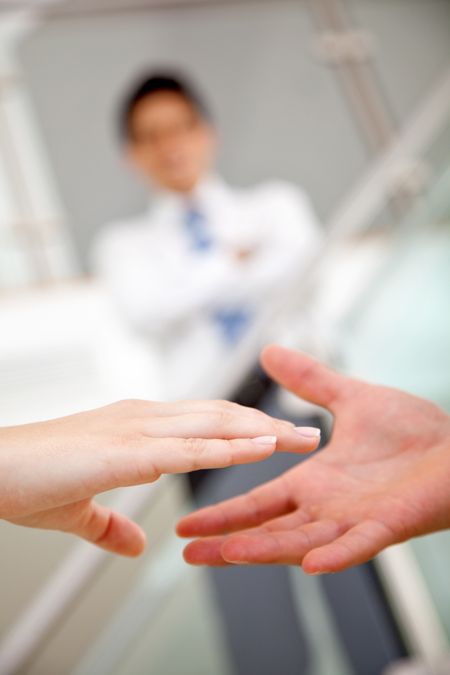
124	537
197	524
204	552
311	570
182	528
296	442
189	554
234	552
314	444
317	573
265	447
141	545
267	348
308	445
135	545
308	433
316	562
267	352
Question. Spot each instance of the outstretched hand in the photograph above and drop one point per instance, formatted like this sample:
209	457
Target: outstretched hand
51	471
383	478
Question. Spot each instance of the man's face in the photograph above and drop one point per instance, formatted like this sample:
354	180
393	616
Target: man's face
170	143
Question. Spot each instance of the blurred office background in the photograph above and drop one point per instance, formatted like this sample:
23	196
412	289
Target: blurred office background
349	99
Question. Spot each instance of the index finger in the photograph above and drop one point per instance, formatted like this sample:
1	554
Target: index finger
249	510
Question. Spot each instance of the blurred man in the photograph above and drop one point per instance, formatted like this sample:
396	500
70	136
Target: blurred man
202	266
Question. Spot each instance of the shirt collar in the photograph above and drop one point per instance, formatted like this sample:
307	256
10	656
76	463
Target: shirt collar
208	189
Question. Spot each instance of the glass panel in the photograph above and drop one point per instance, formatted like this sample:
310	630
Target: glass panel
398	333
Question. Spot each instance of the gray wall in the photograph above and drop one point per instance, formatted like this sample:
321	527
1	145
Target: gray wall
281	112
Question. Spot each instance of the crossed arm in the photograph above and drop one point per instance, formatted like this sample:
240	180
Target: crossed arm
383	478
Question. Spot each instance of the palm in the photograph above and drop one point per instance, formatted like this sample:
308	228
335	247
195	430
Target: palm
363	492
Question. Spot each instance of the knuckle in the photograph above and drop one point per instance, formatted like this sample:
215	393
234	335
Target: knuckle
195	446
130	403
145	470
222	418
227	455
255	504
260	416
279	426
126	407
231	409
128	435
304	539
133	406
226	405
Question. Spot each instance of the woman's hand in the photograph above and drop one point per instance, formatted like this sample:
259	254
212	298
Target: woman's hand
50	471
383	478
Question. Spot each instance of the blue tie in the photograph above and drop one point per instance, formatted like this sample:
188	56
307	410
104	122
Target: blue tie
196	227
232	322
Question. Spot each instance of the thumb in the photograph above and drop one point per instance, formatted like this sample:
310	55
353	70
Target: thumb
111	530
303	375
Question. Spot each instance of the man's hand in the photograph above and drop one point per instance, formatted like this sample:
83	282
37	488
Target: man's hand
383	478
50	471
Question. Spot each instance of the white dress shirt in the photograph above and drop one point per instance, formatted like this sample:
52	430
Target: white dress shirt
261	240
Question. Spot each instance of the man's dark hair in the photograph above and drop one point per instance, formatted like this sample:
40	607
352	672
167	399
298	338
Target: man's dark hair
154	84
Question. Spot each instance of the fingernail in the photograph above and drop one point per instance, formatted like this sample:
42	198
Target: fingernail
308	432
265	440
